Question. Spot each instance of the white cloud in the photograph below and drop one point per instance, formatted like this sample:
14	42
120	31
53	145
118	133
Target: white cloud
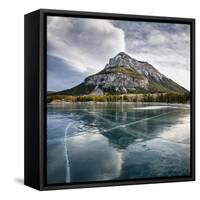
85	44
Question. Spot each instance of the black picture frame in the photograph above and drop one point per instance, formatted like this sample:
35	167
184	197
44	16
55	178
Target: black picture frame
35	82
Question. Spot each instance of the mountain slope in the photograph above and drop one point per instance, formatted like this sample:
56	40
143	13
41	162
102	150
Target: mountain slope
124	74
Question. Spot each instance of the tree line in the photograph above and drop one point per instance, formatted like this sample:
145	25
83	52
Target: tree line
159	97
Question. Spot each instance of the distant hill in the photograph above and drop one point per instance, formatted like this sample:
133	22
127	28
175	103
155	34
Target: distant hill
122	75
50	92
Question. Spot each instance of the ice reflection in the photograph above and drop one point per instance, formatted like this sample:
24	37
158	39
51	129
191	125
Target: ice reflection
156	158
102	162
179	132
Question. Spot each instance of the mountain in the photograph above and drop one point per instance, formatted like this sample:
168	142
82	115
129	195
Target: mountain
124	74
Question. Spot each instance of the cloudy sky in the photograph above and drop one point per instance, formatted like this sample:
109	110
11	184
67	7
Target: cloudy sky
78	47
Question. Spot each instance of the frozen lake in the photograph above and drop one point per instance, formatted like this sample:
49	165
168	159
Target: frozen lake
96	142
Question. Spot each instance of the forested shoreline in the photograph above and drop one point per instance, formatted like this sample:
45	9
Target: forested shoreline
156	97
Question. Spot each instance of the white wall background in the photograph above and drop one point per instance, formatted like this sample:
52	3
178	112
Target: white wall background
11	98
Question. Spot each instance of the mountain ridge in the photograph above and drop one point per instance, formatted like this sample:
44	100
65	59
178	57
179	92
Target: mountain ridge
124	74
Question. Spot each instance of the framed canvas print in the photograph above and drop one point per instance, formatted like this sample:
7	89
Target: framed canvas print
109	99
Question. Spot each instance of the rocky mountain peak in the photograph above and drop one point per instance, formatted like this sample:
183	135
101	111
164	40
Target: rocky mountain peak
121	59
123	55
144	68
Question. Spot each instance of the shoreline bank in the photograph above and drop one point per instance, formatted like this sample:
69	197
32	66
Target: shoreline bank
63	103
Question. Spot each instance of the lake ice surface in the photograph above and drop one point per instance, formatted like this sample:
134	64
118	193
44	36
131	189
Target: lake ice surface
117	142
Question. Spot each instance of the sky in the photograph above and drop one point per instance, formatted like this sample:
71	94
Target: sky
79	47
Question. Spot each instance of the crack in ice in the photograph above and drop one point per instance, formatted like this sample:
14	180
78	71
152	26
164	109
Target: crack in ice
135	122
67	177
